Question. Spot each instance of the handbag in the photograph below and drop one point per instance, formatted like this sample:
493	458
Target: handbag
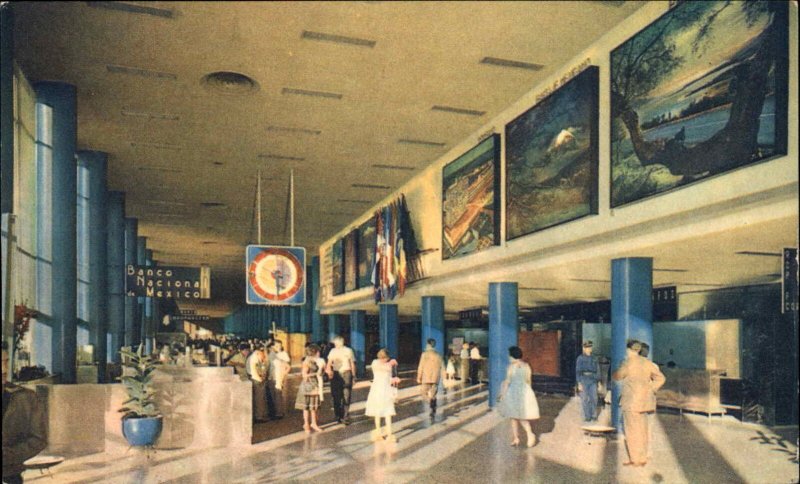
307	387
395	390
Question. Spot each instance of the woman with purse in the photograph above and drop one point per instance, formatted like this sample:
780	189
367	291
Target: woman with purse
382	393
310	392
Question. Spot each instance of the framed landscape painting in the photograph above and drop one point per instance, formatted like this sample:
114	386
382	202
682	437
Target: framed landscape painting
470	200
366	252
351	261
699	92
337	268
552	158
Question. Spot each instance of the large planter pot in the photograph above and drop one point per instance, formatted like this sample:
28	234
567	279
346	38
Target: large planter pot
141	431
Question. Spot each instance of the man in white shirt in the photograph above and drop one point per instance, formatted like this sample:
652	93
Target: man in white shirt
258	370
341	370
279	366
474	362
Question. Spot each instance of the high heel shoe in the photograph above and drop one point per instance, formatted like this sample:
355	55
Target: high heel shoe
316	428
532	441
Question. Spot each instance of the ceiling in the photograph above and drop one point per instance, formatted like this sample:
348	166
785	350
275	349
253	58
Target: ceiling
375	71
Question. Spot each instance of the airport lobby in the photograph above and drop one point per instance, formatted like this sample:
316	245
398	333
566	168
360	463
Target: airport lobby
515	188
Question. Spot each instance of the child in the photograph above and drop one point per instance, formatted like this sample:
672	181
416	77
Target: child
451	367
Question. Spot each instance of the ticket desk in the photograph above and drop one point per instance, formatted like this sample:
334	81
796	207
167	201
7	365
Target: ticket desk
202	407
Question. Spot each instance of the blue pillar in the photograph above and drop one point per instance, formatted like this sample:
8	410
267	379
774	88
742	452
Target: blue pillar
333	326
133	335
115	223
358	339
148	328
294	318
631	315
503	332
141	302
95	164
433	322
389	329
7	109
62	98
317	331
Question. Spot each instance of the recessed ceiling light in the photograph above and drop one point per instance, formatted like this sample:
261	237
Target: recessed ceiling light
340	39
754	252
670	270
306	92
347	200
590	280
409	141
450	109
395	167
229	83
273	156
496	61
218	163
212	204
165	202
163	169
699	284
367	185
290	129
131	8
538	289
147	144
145	115
138	71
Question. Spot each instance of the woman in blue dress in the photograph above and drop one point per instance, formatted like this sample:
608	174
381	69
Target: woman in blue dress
517	400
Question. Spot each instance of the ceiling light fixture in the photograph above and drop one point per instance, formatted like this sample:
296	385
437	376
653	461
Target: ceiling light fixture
670	270
289	129
496	61
159	116
138	71
348	200
160	168
229	83
450	109
410	141
538	289
306	92
147	144
131	8
339	39
212	204
273	156
590	280
395	167
754	252
367	185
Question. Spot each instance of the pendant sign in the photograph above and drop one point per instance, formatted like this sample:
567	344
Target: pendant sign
163	282
276	275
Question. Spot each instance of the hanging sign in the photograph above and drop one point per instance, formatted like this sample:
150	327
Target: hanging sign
164	282
276	275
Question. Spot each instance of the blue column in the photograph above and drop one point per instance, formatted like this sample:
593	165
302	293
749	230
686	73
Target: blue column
95	163
433	322
503	332
62	98
631	315
317	331
358	339
147	304
133	334
7	109
294	318
115	223
333	326
389	329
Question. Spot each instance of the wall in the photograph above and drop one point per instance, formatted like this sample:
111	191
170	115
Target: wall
760	192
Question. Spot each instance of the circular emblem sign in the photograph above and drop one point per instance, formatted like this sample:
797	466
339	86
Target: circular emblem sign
275	274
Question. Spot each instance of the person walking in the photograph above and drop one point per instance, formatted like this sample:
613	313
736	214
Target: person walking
429	372
341	371
380	400
450	372
517	400
258	369
587	374
474	363
464	362
309	394
279	366
641	379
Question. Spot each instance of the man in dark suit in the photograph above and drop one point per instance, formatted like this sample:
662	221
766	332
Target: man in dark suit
24	430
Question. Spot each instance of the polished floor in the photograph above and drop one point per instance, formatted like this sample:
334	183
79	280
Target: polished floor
466	442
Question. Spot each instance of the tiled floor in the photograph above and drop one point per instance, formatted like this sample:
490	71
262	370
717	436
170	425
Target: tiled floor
467	442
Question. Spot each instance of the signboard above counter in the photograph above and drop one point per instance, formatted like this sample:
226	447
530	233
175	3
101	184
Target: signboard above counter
168	282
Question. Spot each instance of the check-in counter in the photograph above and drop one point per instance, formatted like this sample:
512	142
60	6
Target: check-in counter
201	407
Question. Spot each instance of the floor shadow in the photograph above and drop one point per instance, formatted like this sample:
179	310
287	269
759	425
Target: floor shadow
699	459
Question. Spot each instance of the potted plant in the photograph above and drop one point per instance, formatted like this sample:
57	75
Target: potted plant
141	423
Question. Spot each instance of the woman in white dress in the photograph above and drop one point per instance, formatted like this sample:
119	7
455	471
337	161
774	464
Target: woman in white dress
380	401
517	400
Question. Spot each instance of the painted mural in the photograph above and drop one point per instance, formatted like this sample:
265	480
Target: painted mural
551	158
366	252
351	261
337	267
699	92
470	214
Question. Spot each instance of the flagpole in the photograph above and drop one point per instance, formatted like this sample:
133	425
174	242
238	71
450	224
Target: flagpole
291	206
258	205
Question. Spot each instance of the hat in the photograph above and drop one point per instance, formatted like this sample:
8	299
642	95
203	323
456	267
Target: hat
587	344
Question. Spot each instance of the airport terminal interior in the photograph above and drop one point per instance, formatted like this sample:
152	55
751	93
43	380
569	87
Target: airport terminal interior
387	242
